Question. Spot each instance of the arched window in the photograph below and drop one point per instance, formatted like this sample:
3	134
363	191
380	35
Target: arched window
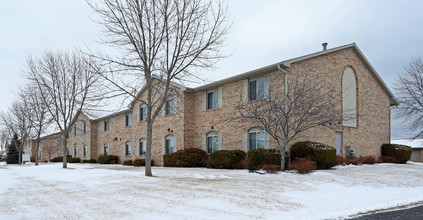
142	147
212	142
256	139
106	150
75	152
85	151
349	98
170	144
128	149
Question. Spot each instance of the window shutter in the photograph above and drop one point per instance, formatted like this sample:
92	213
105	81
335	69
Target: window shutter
164	108
176	105
245	90
266	140
164	146
176	144
204	146
124	120
266	85
245	141
220	94
219	137
204	103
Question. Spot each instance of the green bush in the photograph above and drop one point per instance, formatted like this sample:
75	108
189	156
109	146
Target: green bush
74	160
108	159
265	156
141	162
89	161
228	159
60	159
127	162
401	153
324	155
190	157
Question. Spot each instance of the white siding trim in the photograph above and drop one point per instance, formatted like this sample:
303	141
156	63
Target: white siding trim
220	94
266	85
204	101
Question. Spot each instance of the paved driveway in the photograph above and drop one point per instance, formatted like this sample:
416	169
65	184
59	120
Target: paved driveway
406	214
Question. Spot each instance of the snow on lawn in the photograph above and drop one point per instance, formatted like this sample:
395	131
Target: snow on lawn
93	191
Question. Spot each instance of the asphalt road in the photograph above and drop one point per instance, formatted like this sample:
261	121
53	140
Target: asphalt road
403	214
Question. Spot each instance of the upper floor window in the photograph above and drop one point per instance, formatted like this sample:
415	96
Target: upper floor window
128	119
75	130
213	99
142	147
85	127
256	139
257	89
171	106
59	142
106	124
212	142
143	113
128	149
85	151
170	145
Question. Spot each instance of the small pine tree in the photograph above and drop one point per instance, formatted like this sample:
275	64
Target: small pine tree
12	151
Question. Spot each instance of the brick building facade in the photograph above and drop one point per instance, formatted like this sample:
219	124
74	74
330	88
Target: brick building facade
202	119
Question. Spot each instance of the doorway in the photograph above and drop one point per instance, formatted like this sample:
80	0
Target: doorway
338	143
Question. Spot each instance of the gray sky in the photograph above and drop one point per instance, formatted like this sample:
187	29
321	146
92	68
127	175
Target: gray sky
389	33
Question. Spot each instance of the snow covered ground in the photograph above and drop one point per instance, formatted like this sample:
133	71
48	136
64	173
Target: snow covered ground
93	191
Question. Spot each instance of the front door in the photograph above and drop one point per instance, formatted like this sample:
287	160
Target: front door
338	142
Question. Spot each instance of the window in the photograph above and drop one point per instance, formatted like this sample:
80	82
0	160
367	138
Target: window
349	98
142	147
67	152
212	142
85	127
170	145
59	145
85	151
59	142
75	130
170	106
106	150
106	124
128	119
213	100
128	149
256	139
257	89
143	113
75	152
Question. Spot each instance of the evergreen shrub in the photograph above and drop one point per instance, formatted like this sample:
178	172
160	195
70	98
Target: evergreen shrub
108	159
141	162
401	153
264	156
228	159
189	157
324	155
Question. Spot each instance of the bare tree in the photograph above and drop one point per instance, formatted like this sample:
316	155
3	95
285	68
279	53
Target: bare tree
303	105
36	112
409	87
50	149
66	83
167	39
17	123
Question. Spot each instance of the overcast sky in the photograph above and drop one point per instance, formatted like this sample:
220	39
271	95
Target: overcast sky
389	33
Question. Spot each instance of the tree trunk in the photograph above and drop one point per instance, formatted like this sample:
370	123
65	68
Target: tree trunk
282	158
20	155
38	149
148	149
65	146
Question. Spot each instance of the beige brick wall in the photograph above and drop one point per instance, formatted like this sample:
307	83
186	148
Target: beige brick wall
81	139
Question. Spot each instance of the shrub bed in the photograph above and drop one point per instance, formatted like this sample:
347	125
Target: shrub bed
108	159
190	157
401	153
127	162
73	160
264	156
60	159
303	165
141	162
324	155
89	161
228	159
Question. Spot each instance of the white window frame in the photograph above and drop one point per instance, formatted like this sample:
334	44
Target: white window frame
75	132
142	113
85	127
142	142
214	99
128	119
257	88
128	149
256	131
75	152
104	149
214	136
169	110
171	139
85	151
106	122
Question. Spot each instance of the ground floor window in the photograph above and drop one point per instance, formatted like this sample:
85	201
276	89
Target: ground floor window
106	150
170	145
75	152
128	149
85	151
212	142
67	152
256	139
142	147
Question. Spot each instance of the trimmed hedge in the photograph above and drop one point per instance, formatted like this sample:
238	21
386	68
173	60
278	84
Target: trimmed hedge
401	153
108	159
264	156
190	157
74	160
228	159
60	159
89	161
141	162
324	155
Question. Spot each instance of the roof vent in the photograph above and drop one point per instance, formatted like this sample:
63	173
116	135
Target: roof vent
325	45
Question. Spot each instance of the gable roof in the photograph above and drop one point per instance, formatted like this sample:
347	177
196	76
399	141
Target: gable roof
287	63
